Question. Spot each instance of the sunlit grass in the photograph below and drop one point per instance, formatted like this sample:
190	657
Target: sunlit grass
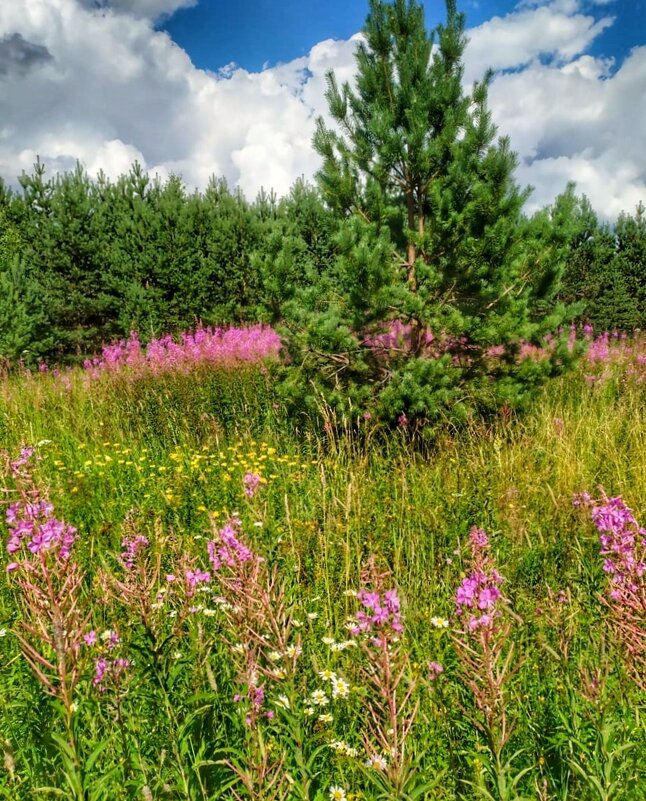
167	456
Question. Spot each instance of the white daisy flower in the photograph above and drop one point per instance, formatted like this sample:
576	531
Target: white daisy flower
319	698
327	675
340	688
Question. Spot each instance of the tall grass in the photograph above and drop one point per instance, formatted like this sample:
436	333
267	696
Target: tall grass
165	457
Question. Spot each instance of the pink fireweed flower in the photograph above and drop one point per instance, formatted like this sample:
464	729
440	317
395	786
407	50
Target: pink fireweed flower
622	544
25	457
229	551
100	669
257	695
194	578
483	642
479	594
379	612
33	525
435	669
132	546
109	672
90	638
206	346
251	483
49	584
478	538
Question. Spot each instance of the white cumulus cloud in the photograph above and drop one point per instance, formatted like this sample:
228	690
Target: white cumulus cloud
93	80
558	31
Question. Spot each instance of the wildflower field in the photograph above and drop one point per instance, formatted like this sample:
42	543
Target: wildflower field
200	600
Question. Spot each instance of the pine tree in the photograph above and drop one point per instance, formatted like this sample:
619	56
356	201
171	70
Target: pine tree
431	239
23	329
630	233
296	248
24	337
605	270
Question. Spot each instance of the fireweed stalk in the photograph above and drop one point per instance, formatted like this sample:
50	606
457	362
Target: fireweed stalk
623	546
152	598
49	583
136	582
151	595
391	705
258	626
486	655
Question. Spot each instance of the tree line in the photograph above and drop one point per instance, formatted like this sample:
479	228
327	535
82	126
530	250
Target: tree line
84	261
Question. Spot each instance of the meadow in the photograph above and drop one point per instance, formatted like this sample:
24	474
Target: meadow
203	600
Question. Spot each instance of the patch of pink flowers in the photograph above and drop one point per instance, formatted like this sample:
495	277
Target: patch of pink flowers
434	670
381	610
479	597
194	578
109	672
228	550
222	347
132	547
398	337
251	483
623	544
610	351
33	527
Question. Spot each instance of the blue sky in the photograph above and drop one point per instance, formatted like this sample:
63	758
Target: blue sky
108	82
254	33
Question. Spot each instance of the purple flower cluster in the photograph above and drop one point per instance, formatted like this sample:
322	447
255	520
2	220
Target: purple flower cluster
132	546
194	578
109	671
615	349
251	482
229	551
380	611
398	337
33	523
214	346
26	456
479	595
623	543
478	539
257	696
623	546
435	670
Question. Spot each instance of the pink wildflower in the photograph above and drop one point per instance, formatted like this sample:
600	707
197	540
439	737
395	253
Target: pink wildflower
251	483
378	613
229	551
132	546
435	670
196	577
90	638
